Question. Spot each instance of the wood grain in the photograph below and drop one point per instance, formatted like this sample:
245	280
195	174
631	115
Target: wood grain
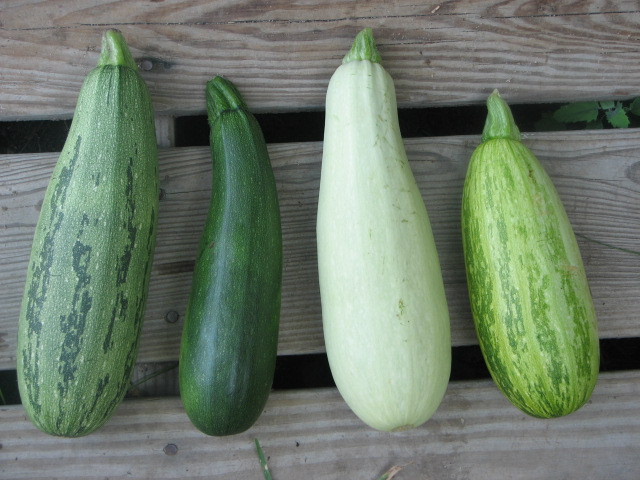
475	434
596	173
281	54
165	131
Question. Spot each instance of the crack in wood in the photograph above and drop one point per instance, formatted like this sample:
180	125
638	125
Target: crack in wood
576	14
326	20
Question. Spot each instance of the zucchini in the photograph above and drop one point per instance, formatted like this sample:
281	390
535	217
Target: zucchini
384	311
530	299
90	262
230	334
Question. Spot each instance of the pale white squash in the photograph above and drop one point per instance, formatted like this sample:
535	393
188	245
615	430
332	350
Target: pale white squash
385	316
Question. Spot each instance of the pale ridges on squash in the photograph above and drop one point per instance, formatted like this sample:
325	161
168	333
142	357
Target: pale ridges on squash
385	316
89	269
529	294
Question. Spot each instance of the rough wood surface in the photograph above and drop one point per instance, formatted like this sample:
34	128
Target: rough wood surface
596	173
165	131
475	434
281	54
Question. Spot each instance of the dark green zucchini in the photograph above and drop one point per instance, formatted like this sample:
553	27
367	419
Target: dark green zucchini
230	335
92	250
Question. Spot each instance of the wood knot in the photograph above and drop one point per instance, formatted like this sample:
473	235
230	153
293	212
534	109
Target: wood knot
171	316
633	172
170	449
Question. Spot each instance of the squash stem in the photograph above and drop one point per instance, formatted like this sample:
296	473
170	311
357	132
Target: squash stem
500	123
115	51
222	95
263	461
363	48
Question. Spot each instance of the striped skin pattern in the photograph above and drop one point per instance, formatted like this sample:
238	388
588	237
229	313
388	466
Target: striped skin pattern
530	299
230	334
90	262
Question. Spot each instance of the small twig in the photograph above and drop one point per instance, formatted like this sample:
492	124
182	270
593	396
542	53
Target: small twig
153	375
392	472
626	250
263	462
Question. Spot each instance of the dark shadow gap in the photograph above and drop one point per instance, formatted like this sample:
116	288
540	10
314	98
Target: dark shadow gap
49	135
414	123
312	370
467	363
33	136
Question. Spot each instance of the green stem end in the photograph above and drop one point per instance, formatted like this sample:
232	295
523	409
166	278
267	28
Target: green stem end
363	48
222	95
115	51
500	123
263	461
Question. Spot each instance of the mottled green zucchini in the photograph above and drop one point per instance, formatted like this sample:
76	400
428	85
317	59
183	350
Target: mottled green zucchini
531	303
90	262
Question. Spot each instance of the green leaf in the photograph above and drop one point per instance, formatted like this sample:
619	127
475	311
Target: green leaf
635	107
577	112
607	105
618	117
595	125
548	124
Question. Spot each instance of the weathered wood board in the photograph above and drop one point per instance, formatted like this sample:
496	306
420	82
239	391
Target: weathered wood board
597	175
281	54
312	434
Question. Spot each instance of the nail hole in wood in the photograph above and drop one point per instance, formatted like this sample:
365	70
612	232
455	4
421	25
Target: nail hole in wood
171	316
170	449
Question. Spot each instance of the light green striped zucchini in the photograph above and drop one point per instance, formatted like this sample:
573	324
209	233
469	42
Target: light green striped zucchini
90	262
530	299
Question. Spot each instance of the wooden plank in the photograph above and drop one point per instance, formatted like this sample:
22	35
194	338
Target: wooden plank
596	173
312	434
165	131
281	54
